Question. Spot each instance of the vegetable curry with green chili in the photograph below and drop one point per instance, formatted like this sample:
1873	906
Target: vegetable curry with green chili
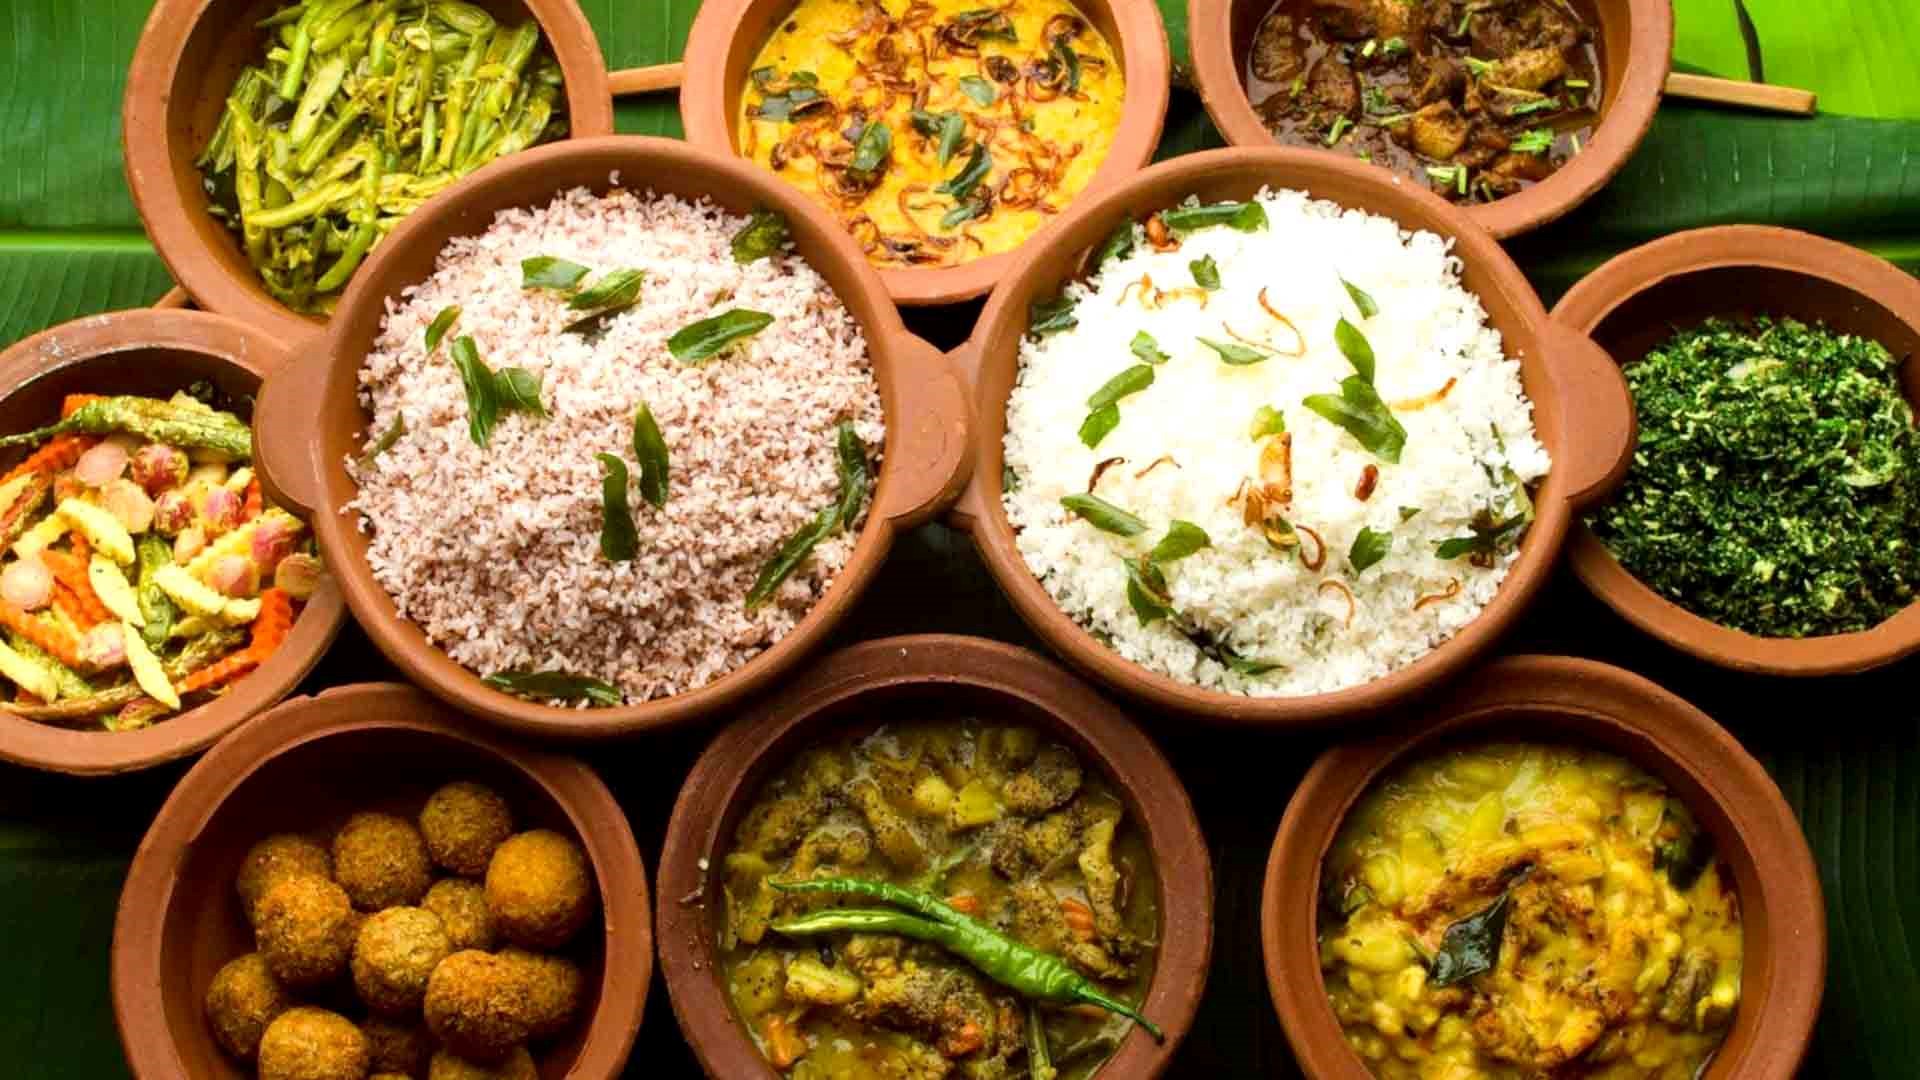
938	898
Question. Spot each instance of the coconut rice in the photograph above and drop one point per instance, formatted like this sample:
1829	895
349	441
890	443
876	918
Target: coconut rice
494	553
1189	453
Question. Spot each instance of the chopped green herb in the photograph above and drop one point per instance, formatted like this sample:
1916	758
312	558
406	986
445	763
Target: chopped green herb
1147	591
1103	515
1267	420
547	272
962	214
1359	410
555	685
614	289
1235	354
709	338
1376	102
980	90
385	442
619	541
1369	547
1206	272
1536	141
483	403
1244	217
1361	299
1355	347
961	184
1526	108
1131	381
1183	539
443	322
1146	348
1098	425
764	234
650	450
1118	244
1070	62
518	390
1051	316
1340	126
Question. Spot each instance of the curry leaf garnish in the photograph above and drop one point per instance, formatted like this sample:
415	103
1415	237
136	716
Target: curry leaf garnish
1237	355
483	403
1245	217
1369	548
1267	420
1146	348
1206	272
650	450
979	89
619	541
1681	850
1183	539
764	234
708	338
1408	513
872	152
385	442
443	322
595	326
518	390
1131	381
1359	410
1355	347
961	184
1118	244
855	479
950	128
1098	425
1070	61
548	272
1471	946
1051	316
1147	591
1227	656
962	214
551	685
1103	515
1361	299
855	474
614	289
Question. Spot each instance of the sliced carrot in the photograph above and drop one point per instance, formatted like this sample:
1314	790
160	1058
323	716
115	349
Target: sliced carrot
270	630
70	570
965	1041
57	641
784	1045
67	603
73	403
59	452
221	671
964	903
1079	918
82	550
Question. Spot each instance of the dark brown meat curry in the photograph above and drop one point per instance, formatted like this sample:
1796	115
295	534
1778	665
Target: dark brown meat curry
1478	98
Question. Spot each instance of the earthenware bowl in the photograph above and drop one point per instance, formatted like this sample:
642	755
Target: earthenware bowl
892	677
306	767
154	352
1539	698
310	419
184	66
1636	51
728	34
1638	299
1580	408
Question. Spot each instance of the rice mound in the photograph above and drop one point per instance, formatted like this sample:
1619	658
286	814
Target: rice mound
495	554
1265	604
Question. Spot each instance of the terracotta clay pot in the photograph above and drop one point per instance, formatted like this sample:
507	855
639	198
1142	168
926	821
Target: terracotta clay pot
184	66
305	768
1539	698
151	352
1636	51
728	34
1580	409
894	677
1638	299
310	419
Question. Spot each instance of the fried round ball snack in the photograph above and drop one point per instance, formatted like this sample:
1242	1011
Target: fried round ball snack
540	889
552	985
517	1065
463	823
305	928
242	1000
381	861
305	1043
476	1006
463	911
393	956
396	1048
278	856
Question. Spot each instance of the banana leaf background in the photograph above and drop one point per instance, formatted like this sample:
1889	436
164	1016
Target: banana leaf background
1846	752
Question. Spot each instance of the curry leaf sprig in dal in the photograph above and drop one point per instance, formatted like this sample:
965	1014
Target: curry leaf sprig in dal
1774	486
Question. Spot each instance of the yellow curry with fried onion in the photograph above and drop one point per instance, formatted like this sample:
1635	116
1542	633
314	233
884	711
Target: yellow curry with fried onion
1518	910
939	131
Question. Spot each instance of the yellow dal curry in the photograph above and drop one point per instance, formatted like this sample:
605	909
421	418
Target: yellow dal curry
989	119
1517	910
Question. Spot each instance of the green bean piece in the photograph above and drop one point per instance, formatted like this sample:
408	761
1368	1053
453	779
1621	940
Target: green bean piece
469	19
160	421
84	711
358	245
519	52
68	680
455	121
313	101
319	148
156	608
301	49
1039	1054
346	22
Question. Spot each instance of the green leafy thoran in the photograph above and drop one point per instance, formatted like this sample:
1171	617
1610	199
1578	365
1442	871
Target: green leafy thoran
1776	485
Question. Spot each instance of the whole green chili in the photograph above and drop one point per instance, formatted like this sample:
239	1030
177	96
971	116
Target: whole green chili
192	426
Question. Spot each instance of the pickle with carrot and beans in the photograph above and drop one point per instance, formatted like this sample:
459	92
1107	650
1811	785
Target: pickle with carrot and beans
141	570
939	898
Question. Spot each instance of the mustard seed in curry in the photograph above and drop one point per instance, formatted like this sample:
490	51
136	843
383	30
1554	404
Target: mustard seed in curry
1516	911
995	829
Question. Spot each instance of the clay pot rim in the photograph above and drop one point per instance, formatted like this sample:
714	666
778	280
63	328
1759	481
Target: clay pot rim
596	819
1157	800
100	753
1645	268
1589	460
1682	739
170	219
1144	55
926	462
1628	115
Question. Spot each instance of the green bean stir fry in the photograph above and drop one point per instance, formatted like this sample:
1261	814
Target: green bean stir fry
362	111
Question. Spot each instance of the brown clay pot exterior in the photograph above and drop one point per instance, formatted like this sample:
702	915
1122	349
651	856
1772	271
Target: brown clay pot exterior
727	34
1580	407
310	764
1638	299
1538	698
1636	49
309	419
183	68
146	351
946	671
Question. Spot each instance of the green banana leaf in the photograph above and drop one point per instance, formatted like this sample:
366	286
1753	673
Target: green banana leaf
71	244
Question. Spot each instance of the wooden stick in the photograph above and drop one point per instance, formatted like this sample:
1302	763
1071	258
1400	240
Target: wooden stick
1745	95
646	80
